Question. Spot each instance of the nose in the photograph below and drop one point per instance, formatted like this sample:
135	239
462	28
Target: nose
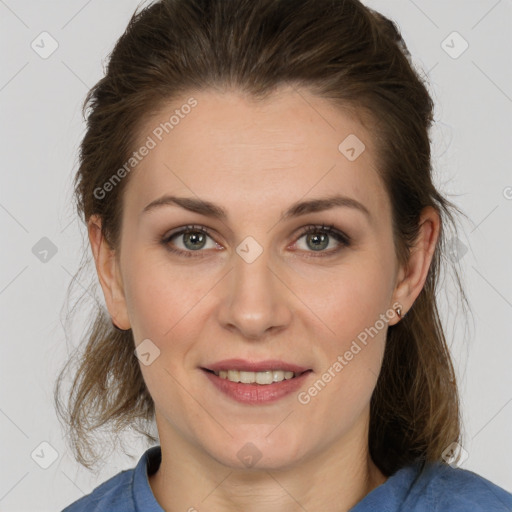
255	301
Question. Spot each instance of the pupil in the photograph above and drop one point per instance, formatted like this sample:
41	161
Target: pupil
323	237
195	238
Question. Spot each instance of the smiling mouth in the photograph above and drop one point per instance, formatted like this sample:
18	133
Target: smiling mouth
263	378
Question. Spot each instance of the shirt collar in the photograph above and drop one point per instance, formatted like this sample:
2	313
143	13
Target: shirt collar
143	496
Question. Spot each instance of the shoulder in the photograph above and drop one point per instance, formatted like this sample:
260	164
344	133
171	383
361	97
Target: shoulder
128	491
459	490
435	487
112	496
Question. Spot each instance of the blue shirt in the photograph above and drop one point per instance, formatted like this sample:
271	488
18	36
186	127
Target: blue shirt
439	488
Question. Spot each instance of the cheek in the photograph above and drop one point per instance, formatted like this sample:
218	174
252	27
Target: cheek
170	305
355	319
162	306
150	302
157	296
343	388
349	298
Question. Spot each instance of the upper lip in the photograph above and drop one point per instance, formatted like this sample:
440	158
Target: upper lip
255	366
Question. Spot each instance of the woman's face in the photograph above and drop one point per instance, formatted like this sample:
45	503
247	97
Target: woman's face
256	287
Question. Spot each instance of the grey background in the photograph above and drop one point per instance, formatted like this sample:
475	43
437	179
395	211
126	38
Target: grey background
40	102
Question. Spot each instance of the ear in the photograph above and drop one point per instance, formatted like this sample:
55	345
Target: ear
411	278
108	272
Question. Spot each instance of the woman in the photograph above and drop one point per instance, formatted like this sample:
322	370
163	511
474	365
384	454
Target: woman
256	182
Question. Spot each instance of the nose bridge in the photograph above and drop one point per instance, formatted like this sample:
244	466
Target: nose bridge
252	277
255	299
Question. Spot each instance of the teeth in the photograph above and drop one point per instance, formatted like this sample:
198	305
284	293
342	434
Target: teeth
266	377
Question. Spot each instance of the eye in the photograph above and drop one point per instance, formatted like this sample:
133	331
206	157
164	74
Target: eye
319	237
195	238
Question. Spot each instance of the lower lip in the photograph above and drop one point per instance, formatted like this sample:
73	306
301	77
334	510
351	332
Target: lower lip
257	393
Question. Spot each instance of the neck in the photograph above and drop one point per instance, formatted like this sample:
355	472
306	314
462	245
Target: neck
335	478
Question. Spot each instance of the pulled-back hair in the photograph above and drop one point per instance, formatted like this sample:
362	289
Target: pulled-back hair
339	50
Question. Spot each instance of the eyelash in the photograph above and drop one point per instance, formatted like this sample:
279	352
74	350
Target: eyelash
340	237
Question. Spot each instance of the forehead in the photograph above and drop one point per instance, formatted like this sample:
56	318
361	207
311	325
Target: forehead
233	150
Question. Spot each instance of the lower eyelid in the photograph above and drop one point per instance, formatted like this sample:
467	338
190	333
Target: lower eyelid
342	243
166	241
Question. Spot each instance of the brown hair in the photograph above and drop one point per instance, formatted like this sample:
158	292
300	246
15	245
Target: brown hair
341	51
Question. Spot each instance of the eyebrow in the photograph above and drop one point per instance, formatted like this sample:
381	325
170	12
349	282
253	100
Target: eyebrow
297	209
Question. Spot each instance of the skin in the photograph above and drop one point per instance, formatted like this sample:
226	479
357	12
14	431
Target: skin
255	160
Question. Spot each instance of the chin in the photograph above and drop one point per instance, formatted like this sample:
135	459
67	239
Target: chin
259	452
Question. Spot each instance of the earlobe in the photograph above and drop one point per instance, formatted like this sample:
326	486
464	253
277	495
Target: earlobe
414	274
108	273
